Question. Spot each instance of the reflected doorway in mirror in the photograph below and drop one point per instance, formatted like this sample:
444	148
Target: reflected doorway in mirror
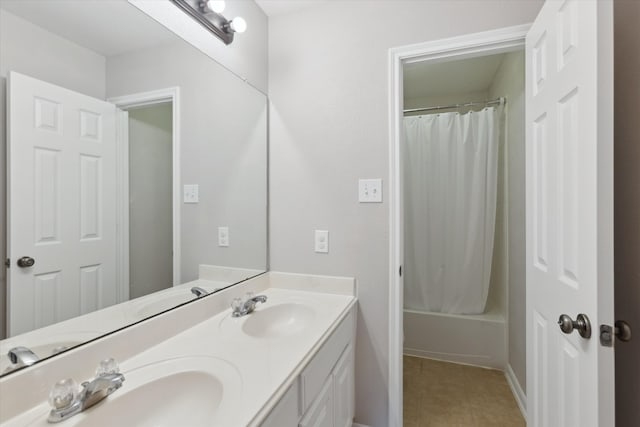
132	106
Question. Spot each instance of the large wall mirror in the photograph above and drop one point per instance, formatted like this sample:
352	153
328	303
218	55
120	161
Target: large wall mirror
136	174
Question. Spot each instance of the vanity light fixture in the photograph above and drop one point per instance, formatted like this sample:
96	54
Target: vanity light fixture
209	15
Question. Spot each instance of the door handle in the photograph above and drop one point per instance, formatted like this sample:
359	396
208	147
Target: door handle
620	330
581	324
26	261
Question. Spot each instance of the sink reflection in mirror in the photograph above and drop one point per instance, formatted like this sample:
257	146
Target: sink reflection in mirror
164	300
142	145
42	346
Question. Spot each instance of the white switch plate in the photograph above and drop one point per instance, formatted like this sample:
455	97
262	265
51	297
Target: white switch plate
191	193
223	236
322	241
370	191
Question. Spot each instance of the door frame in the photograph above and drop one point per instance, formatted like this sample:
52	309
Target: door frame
127	102
466	46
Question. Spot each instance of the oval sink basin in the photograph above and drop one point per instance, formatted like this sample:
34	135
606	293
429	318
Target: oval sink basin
189	391
278	320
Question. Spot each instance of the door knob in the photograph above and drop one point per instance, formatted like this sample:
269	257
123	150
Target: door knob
621	330
26	261
581	324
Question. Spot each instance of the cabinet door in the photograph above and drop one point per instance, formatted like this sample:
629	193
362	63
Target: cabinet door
315	374
321	412
343	389
285	413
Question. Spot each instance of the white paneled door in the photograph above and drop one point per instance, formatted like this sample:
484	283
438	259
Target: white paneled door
61	187
569	89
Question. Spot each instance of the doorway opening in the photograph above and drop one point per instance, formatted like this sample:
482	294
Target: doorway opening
464	238
148	199
457	226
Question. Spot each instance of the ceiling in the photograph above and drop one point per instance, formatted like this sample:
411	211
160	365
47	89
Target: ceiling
426	79
282	7
105	27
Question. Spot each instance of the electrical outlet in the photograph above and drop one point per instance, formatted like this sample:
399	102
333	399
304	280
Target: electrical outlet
322	241
370	191
223	236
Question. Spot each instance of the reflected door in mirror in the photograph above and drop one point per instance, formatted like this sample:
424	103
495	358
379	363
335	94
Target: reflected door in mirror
62	148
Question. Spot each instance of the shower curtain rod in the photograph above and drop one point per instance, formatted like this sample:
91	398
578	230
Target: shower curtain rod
500	101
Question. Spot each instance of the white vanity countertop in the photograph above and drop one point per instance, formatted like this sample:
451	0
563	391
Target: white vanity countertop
83	328
86	327
257	370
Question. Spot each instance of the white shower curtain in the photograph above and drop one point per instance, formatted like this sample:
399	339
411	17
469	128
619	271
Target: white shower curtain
450	188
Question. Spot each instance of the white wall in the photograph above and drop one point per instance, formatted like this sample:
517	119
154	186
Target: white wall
223	150
509	82
328	123
246	56
627	206
150	199
33	51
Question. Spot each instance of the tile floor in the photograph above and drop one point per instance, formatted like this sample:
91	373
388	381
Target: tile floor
441	394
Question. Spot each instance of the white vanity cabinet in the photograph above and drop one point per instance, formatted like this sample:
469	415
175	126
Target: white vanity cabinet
321	412
286	412
343	389
323	394
304	376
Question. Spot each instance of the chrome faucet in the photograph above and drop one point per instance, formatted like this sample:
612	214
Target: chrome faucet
199	292
22	356
241	308
67	399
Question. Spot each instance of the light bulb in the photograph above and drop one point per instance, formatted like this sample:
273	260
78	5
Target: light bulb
238	25
216	6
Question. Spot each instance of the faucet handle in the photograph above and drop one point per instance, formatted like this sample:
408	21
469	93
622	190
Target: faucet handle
236	304
107	367
64	393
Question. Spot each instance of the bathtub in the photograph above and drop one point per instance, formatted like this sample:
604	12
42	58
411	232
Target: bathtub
479	340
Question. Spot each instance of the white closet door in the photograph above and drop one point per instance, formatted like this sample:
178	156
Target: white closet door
61	187
569	89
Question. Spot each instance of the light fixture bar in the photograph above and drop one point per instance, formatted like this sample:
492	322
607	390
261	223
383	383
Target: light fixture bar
214	22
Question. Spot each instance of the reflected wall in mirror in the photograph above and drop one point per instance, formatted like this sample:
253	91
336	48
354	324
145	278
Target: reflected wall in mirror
137	170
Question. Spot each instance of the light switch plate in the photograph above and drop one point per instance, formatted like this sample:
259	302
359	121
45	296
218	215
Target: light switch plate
370	191
322	241
191	193
223	236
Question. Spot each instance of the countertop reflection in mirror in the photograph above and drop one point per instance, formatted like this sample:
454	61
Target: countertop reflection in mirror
137	170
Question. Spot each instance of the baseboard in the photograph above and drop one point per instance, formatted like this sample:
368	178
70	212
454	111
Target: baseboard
518	393
484	361
359	425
